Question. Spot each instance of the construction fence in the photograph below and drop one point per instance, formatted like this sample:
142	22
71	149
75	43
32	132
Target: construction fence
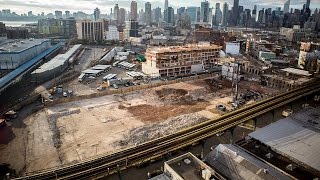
125	90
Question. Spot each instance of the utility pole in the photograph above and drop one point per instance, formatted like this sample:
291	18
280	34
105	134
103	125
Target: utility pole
235	81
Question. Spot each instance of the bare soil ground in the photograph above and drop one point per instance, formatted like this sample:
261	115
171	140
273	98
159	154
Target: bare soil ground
71	132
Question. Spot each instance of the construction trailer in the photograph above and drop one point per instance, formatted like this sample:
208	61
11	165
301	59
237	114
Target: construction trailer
120	81
91	72
136	75
110	76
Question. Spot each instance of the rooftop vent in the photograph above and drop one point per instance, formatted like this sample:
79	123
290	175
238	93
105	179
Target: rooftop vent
187	161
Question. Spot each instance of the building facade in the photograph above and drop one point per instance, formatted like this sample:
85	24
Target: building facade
131	29
134	11
147	13
15	53
49	26
205	12
180	60
96	14
112	33
90	30
68	27
193	13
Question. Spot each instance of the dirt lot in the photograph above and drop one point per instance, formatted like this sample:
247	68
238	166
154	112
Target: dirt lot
71	132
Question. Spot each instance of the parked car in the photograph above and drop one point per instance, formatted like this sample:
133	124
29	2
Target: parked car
65	94
115	86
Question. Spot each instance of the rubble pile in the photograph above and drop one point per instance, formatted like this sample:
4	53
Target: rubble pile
172	95
52	120
156	130
180	96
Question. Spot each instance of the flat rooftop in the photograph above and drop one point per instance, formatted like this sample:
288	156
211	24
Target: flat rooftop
188	166
296	137
58	61
296	71
233	162
182	48
4	81
19	45
298	81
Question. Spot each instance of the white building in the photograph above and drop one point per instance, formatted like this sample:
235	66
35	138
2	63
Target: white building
112	33
232	48
230	71
14	53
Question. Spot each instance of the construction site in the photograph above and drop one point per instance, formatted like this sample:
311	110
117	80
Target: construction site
176	88
71	132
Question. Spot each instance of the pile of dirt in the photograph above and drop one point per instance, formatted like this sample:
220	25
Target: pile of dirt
172	95
216	84
156	130
151	113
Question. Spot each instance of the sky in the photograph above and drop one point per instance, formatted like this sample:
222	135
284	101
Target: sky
87	6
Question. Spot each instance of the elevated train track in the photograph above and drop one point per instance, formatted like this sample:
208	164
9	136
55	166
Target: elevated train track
134	156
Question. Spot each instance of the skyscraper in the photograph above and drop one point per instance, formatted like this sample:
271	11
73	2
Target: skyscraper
157	14
192	13
169	15
122	14
30	13
260	15
286	7
204	12
134	11
67	14
58	14
96	14
225	14
166	4
218	15
116	14
141	16
235	12
147	13
254	13
308	4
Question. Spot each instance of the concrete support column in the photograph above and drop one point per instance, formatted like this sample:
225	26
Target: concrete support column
273	114
119	172
202	148
232	130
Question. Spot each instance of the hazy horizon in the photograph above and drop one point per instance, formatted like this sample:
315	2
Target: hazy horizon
87	6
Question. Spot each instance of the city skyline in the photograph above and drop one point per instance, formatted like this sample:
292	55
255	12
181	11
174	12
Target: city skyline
87	6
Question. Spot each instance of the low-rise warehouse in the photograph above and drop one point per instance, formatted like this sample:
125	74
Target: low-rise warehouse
126	65
293	143
233	162
135	75
57	65
105	68
14	53
92	72
110	55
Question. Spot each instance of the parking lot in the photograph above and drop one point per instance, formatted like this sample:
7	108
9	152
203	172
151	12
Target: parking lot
90	84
